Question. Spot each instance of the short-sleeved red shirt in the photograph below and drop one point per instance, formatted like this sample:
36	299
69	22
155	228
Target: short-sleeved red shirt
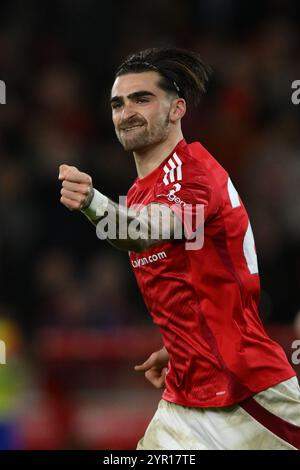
205	301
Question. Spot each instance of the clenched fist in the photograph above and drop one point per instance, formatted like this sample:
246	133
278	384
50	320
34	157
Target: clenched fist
77	188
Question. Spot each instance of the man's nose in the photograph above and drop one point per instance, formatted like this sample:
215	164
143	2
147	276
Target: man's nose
128	111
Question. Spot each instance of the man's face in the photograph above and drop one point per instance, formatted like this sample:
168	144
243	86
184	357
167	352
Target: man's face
140	110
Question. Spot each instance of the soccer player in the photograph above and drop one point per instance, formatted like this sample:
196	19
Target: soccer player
227	384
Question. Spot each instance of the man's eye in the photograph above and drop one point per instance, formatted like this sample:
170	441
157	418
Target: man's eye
142	100
116	105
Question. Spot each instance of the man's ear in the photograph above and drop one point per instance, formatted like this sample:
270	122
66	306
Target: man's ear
178	109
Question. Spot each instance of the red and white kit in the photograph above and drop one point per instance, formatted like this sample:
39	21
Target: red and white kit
205	301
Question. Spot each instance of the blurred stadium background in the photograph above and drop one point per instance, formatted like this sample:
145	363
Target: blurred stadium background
70	313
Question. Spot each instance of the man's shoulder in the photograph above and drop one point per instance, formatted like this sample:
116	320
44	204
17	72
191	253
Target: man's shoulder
187	160
196	162
199	155
188	165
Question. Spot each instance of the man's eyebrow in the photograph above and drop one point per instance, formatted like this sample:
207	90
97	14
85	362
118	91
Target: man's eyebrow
136	94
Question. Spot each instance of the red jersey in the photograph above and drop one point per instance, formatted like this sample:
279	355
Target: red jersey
205	301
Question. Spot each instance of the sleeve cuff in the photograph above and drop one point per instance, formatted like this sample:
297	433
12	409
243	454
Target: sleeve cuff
97	207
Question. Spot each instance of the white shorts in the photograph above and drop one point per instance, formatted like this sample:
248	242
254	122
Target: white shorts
270	420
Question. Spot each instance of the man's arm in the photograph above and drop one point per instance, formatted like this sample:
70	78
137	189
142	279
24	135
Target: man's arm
133	230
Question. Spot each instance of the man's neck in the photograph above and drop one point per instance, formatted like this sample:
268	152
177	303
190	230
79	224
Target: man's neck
151	158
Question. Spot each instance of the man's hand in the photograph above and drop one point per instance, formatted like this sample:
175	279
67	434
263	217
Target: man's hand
77	193
77	188
155	368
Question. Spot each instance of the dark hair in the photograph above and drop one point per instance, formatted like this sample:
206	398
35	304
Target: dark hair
181	71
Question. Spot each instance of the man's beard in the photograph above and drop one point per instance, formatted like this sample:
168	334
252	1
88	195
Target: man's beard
143	137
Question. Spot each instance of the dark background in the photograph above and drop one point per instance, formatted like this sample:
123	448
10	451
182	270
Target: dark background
70	311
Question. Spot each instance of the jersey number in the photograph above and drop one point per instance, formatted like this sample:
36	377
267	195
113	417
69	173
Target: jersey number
249	244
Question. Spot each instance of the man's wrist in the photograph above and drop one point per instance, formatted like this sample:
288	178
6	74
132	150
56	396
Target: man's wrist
96	206
89	200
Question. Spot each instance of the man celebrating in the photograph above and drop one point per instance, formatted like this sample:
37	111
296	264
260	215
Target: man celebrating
227	384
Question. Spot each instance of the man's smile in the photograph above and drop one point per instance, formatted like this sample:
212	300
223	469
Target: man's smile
131	128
